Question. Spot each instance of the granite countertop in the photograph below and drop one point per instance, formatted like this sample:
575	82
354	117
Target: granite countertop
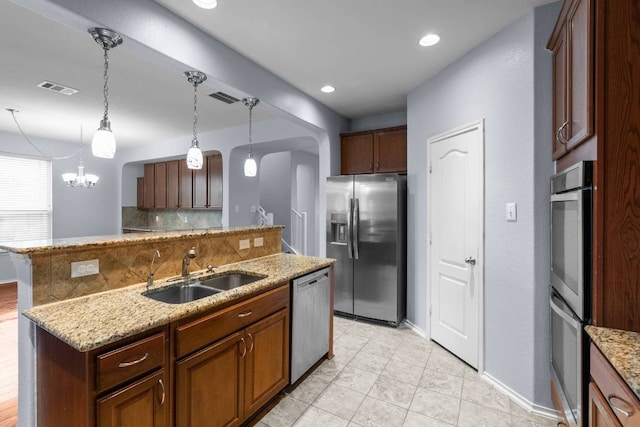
88	242
622	350
92	321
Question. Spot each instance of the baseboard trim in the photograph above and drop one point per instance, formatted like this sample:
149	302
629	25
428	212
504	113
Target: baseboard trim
535	409
415	329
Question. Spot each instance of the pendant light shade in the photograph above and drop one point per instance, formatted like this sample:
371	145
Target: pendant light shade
194	155
104	143
250	165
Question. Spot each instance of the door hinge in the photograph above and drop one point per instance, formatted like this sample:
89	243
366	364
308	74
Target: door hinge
430	309
429	238
430	168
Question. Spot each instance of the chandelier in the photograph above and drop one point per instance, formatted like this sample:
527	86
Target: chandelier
80	179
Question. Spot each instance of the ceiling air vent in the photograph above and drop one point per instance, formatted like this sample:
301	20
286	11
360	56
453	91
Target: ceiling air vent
55	87
221	96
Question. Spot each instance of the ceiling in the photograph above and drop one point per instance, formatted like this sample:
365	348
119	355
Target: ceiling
367	49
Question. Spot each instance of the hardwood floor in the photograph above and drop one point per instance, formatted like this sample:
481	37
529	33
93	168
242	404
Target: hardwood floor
8	356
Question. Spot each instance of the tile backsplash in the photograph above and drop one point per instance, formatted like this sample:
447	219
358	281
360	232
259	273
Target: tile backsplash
170	219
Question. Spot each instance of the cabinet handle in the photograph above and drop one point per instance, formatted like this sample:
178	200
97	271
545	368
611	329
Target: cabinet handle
561	424
163	392
245	314
250	348
371	166
626	413
133	362
377	165
244	347
560	135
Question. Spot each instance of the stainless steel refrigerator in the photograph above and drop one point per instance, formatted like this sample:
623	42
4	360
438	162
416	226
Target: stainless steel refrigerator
366	234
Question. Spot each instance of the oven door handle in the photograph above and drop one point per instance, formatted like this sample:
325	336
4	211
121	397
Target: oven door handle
566	197
567	317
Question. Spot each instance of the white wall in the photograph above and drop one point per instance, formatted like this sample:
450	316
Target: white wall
496	82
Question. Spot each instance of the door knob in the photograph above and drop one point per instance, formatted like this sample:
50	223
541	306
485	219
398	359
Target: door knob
470	260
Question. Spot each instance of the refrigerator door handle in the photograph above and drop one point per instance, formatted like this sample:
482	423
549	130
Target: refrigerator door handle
350	230
356	228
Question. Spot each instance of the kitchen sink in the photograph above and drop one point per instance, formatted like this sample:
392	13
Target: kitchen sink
182	294
229	281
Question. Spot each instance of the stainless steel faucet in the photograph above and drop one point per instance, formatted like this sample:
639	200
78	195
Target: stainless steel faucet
156	254
191	253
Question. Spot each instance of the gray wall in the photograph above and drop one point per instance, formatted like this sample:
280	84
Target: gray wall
378	121
275	189
497	82
305	195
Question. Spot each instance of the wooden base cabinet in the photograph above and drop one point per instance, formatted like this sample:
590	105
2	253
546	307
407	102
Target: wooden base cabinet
611	400
143	403
245	364
209	385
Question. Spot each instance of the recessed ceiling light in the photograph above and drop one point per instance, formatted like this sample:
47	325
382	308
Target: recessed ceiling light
429	40
206	4
328	89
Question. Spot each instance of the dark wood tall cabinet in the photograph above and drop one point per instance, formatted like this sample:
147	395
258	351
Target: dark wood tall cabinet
598	99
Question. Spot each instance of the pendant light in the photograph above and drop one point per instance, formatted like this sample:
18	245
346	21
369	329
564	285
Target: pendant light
250	165
104	143
194	155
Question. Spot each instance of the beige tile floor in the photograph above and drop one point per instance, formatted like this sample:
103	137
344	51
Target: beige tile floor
389	377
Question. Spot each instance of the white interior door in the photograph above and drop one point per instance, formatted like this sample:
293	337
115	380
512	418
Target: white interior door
456	234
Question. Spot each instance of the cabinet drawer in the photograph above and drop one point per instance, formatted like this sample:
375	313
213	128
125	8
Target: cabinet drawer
130	361
209	328
616	392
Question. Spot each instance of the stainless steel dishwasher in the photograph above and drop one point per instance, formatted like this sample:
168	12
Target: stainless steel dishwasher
309	321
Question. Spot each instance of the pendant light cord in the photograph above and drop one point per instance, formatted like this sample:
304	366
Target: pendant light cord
13	113
105	89
195	112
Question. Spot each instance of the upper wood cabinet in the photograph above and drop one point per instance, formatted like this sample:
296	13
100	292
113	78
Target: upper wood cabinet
172	185
186	185
207	183
378	151
573	46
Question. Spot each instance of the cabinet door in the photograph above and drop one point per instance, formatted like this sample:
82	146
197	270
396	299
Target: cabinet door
560	121
356	154
267	359
160	191
581	69
209	384
200	187
140	193
149	185
390	151
186	185
600	413
173	184
143	403
214	170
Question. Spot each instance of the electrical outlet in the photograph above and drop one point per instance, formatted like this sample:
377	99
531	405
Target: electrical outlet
157	218
85	268
258	241
245	244
253	209
236	209
186	219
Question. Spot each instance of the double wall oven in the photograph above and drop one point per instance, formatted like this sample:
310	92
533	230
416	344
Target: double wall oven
570	293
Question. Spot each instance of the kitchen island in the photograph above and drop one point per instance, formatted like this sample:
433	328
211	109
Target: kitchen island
93	311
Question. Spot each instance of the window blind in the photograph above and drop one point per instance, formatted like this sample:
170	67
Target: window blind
25	198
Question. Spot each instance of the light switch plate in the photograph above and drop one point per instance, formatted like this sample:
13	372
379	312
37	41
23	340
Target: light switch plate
511	211
258	241
245	244
85	268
